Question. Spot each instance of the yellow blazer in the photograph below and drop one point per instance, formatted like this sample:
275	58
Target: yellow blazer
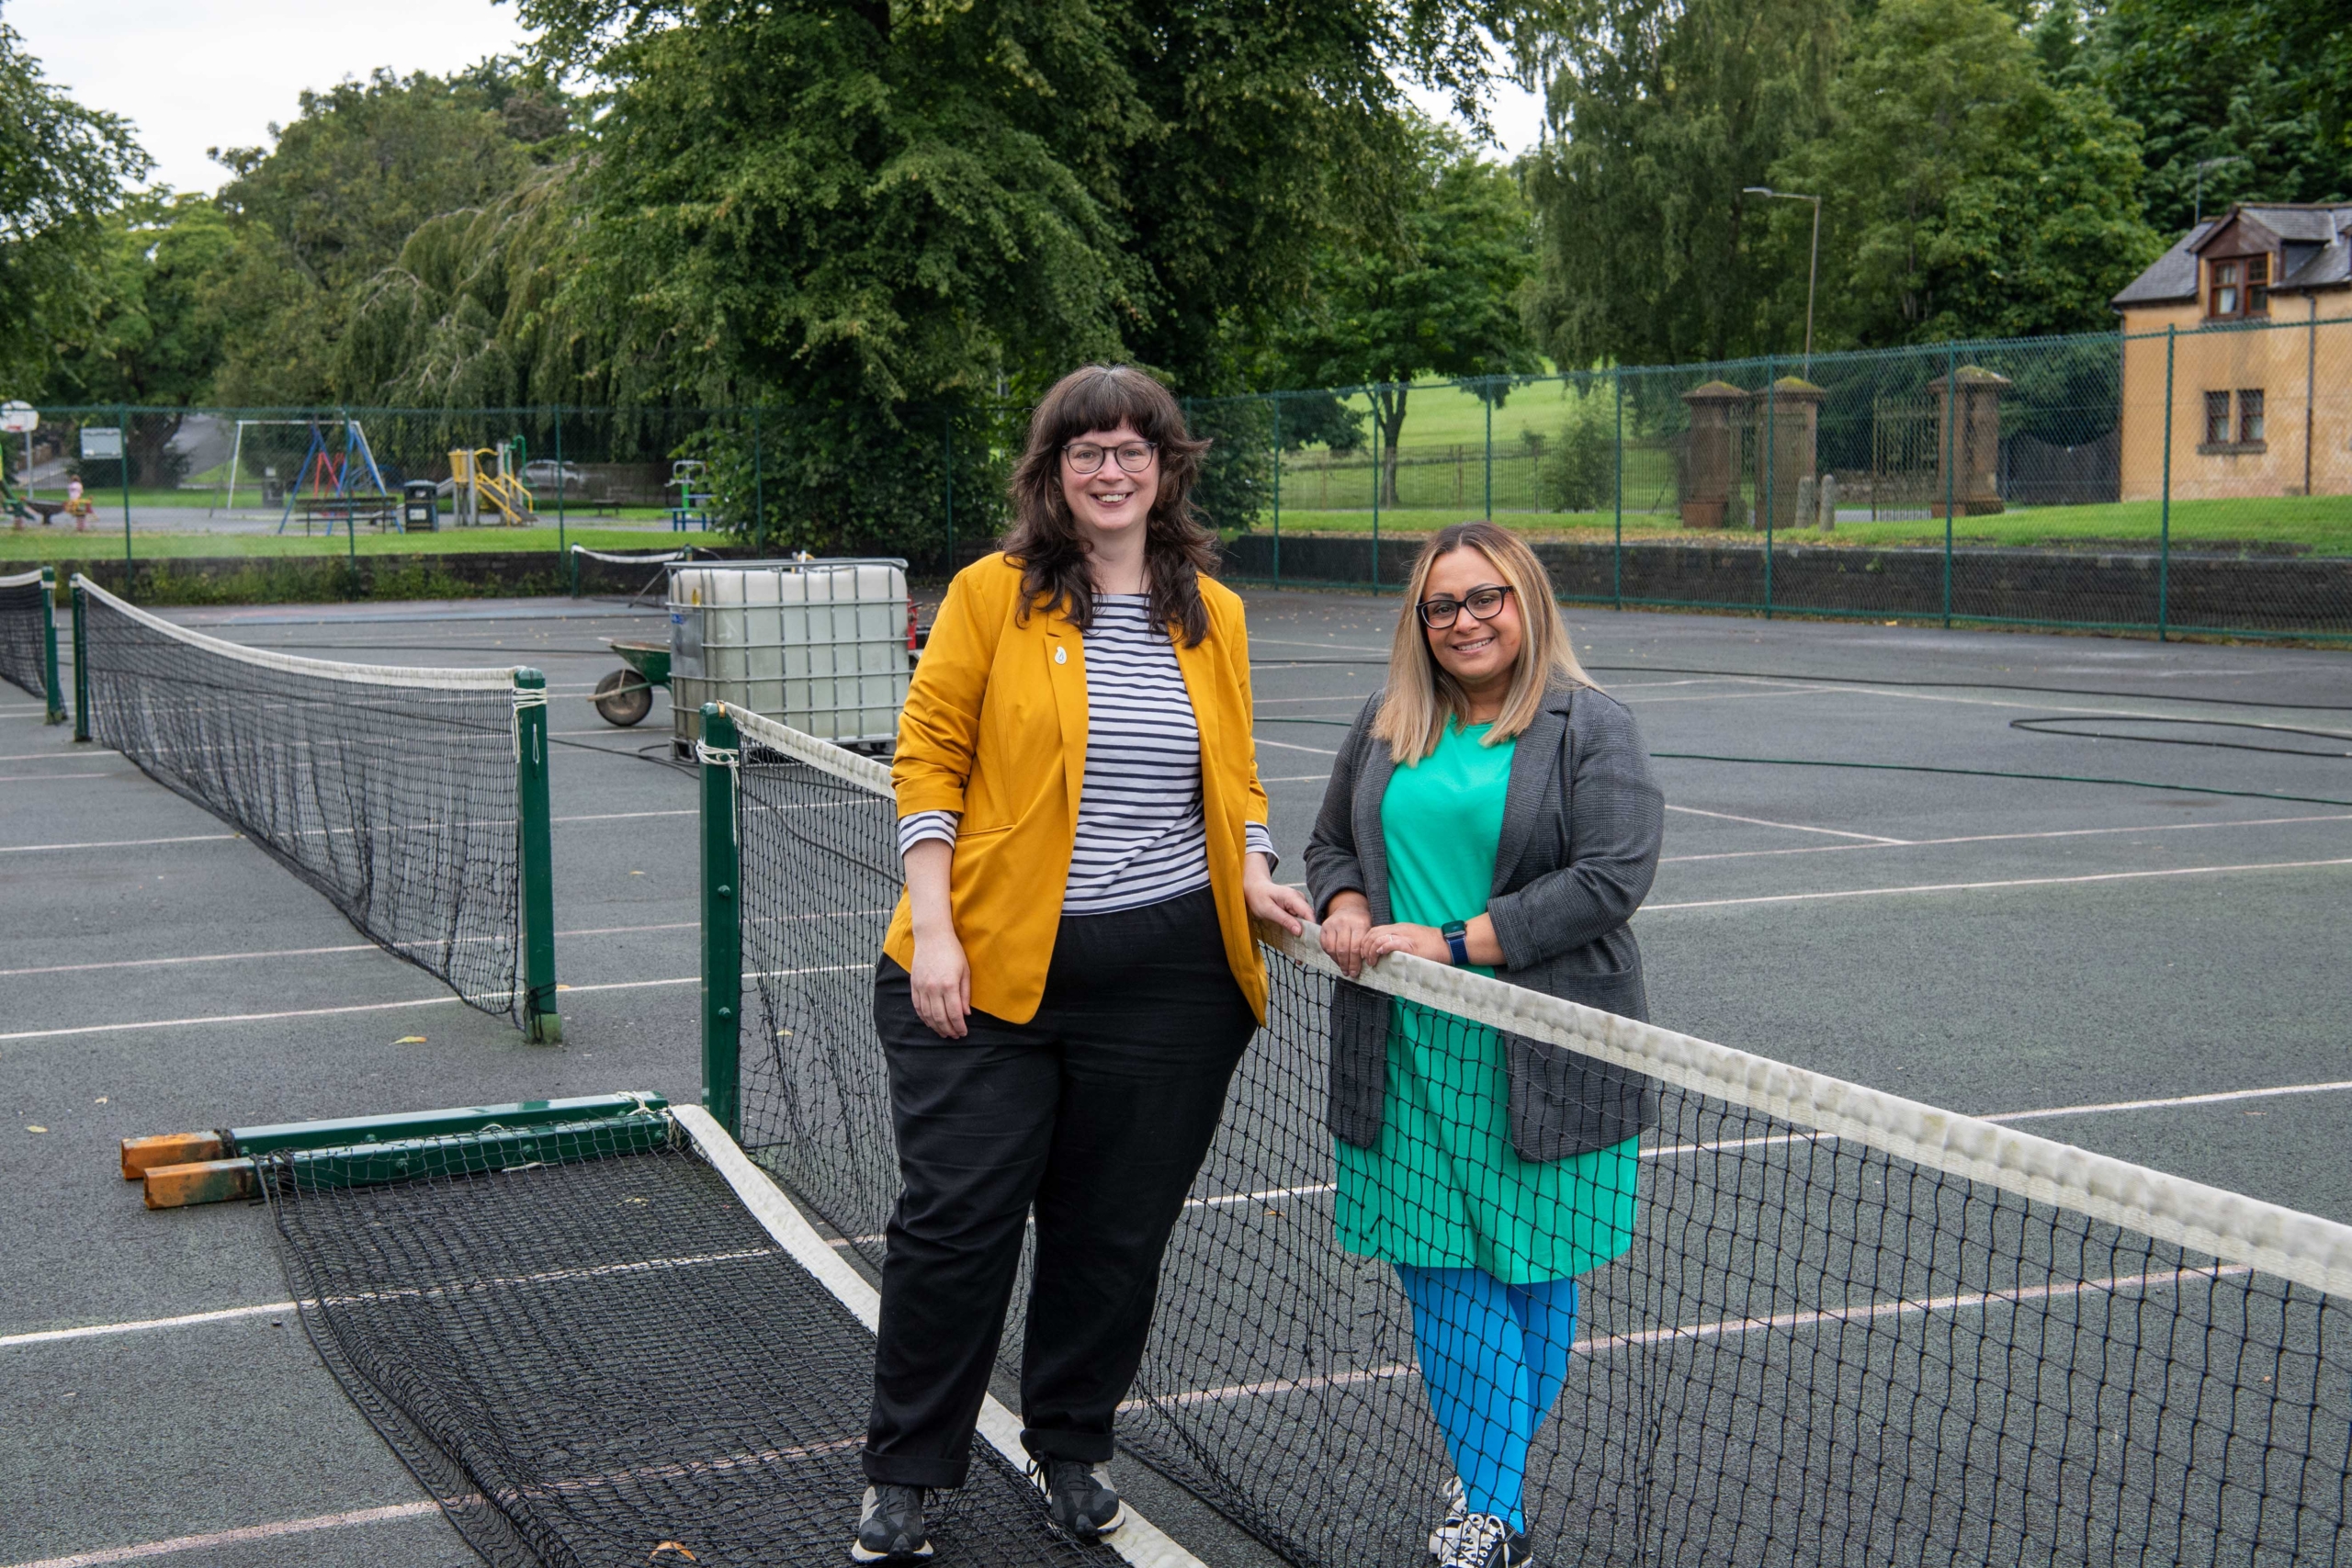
995	729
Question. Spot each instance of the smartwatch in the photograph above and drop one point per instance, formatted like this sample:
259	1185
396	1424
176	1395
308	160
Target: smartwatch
1457	941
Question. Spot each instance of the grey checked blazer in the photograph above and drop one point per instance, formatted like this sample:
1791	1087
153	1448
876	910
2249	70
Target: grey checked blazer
1582	820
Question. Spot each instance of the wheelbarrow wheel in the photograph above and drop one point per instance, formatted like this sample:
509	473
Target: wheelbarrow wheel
624	697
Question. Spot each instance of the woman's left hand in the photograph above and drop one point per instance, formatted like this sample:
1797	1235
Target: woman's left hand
1269	900
1421	942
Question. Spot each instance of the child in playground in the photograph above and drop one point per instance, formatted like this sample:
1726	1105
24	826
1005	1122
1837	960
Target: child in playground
76	505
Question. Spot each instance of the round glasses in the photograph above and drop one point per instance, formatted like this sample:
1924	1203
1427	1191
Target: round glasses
1484	605
1086	457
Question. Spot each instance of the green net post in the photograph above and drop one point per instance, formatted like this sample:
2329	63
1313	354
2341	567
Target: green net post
49	688
122	462
722	920
1771	398
1489	399
572	555
535	855
2163	510
947	465
81	666
562	543
1377	477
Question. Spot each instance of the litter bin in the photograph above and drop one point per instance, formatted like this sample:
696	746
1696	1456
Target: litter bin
420	507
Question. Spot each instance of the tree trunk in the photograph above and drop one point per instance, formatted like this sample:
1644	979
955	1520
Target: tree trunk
1388	406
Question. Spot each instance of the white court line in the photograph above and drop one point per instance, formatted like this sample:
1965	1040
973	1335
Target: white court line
235	1536
2010	882
311	951
75	755
1293	778
143	1324
2224	1097
44	778
117	843
626	816
2010	837
1318	750
1792	826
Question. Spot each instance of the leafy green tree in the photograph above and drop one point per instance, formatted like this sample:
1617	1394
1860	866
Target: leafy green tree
152	334
2267	87
1440	297
1658	113
62	168
337	198
1965	196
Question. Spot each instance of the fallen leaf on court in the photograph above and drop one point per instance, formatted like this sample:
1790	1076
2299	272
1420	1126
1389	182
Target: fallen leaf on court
100	1101
410	1040
671	1546
31	1128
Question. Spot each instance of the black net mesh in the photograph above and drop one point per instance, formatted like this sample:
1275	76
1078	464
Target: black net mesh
1787	1347
23	658
393	798
583	1362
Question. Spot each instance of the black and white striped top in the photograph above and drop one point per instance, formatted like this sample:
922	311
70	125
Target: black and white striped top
1142	835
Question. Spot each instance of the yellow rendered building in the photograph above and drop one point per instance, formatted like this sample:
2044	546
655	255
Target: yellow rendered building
2248	317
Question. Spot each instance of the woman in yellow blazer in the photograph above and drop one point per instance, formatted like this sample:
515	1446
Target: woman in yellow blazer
1069	979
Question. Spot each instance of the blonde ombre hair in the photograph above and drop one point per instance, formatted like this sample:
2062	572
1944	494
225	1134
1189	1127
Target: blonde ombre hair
1423	698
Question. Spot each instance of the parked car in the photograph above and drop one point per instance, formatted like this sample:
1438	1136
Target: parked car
547	474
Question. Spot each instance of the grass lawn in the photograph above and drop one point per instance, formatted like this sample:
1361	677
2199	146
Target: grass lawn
2321	524
58	542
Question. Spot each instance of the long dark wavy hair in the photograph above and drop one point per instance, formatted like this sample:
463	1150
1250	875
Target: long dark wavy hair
1044	541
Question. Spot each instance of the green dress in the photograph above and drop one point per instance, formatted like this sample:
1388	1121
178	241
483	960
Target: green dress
1444	1189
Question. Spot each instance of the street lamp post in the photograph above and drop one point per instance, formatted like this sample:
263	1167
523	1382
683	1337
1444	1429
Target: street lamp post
1813	268
2199	212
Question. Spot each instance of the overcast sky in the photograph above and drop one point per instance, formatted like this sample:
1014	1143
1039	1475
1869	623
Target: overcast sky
198	73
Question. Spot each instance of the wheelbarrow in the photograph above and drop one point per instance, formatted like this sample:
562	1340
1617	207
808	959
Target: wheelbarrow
625	696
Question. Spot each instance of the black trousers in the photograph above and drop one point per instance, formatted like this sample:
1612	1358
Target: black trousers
1098	1113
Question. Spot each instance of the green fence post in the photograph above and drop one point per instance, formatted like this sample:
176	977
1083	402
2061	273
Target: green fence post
81	666
1771	403
2163	512
1952	462
49	689
1375	489
722	920
947	464
1489	400
123	438
1277	400
561	544
535	853
759	488
1617	555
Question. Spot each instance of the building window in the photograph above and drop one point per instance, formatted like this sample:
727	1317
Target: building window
2257	293
2229	438
2241	288
2226	288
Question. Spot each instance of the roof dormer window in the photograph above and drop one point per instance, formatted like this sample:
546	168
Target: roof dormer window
2241	288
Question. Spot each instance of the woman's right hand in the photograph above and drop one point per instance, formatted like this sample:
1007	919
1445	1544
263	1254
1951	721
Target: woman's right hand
1347	933
942	983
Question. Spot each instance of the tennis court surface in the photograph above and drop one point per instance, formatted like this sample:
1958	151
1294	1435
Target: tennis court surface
2096	962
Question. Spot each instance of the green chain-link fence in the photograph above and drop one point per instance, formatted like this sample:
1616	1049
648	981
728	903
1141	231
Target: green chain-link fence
2180	481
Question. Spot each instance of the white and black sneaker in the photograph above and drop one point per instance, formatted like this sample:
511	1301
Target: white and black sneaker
1487	1541
1080	1496
1457	1509
890	1527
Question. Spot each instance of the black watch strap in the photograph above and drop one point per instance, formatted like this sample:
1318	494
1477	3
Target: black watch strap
1457	941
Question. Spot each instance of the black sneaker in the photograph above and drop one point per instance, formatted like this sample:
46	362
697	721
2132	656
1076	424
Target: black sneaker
1079	1497
1487	1541
890	1527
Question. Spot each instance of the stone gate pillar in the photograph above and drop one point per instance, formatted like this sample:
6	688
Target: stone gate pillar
1793	419
1708	471
1968	442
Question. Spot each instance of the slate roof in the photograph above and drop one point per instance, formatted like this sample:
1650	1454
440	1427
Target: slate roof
2317	253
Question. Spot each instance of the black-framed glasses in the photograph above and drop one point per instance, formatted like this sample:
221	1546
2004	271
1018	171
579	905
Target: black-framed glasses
1086	457
1484	605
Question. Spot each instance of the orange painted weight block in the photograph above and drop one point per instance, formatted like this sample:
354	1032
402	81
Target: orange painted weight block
141	1155
203	1181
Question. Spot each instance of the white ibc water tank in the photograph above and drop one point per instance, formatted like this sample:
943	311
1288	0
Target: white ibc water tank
819	645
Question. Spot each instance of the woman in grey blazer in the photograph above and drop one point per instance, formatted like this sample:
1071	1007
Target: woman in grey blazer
1493	809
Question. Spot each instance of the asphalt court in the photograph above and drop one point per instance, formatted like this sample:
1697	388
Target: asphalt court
1995	944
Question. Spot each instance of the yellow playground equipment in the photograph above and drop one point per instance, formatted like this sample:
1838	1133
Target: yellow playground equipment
483	486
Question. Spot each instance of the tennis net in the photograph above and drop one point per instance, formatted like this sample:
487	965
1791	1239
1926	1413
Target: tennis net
1833	1326
28	637
414	799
